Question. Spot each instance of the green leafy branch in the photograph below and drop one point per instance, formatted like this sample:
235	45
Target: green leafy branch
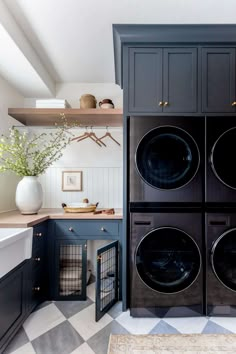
27	155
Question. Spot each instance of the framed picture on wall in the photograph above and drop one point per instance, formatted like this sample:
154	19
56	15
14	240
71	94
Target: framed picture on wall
72	181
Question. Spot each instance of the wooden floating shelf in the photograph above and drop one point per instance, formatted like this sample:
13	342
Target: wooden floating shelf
52	116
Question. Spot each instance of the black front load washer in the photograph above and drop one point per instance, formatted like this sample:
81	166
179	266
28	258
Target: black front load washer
221	264
166	264
220	160
166	159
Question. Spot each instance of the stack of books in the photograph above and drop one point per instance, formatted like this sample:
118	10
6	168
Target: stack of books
52	103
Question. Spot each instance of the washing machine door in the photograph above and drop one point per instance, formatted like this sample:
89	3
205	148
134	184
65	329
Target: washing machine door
168	260
167	157
222	158
223	259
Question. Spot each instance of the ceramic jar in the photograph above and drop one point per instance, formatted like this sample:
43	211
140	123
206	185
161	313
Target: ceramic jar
106	103
29	195
87	101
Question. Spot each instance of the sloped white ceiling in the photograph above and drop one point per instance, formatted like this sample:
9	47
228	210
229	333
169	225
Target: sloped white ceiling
73	38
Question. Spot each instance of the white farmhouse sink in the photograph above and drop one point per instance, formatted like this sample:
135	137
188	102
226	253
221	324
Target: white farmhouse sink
15	247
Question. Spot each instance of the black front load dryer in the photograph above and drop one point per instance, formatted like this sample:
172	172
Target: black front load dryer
221	264
166	264
220	160
166	159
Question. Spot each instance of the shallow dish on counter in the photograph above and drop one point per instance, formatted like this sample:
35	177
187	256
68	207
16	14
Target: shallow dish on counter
79	207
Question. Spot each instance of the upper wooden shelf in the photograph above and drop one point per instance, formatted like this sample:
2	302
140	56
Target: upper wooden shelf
84	117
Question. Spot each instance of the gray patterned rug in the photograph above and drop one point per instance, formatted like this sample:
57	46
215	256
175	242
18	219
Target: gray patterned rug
172	344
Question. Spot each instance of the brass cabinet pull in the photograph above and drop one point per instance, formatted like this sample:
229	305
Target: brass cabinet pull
71	229
37	259
166	104
160	103
103	229
39	234
37	288
233	103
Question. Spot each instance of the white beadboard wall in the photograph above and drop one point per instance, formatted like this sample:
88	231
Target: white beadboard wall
101	172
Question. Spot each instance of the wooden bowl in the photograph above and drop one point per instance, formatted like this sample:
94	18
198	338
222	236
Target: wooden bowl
88	209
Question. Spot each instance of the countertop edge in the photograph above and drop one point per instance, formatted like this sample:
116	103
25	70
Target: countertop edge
15	219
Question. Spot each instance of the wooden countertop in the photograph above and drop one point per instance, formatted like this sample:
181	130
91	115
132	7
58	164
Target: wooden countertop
15	219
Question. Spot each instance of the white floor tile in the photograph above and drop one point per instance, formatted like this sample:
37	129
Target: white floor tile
83	349
84	322
91	291
226	322
137	325
42	320
25	349
187	324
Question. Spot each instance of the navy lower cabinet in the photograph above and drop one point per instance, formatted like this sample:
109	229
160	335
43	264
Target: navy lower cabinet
70	245
13	302
23	288
38	277
162	80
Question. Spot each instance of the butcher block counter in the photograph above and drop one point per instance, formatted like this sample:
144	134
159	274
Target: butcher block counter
15	219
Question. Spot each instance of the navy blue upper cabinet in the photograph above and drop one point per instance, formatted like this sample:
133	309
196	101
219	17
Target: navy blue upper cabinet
168	69
218	80
180	80
162	80
145	79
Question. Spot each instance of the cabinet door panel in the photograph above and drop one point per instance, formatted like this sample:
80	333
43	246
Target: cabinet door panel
145	79
70	270
218	79
12	302
180	80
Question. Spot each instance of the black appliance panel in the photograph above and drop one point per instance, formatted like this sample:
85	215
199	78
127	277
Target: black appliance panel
166	159
220	167
221	263
168	260
222	158
166	264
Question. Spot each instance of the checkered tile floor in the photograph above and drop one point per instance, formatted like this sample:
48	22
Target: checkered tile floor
68	327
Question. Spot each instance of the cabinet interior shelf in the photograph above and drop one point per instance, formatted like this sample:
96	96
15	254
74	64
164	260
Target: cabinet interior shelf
52	116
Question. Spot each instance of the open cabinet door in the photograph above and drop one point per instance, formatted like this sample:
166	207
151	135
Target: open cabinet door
107	278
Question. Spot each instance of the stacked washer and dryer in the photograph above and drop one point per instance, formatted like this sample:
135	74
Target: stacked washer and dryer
182	194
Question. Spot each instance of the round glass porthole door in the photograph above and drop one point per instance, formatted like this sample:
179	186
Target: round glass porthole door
223	259
222	155
167	157
168	260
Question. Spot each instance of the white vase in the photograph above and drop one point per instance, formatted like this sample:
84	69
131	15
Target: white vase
29	195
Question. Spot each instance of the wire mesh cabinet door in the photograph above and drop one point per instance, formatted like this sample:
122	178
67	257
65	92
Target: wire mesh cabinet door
71	269
107	278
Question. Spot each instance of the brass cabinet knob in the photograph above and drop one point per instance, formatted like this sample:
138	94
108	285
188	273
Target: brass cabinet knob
37	259
103	229
39	234
71	229
233	103
166	104
160	103
37	288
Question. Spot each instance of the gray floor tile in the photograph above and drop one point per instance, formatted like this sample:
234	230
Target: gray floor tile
62	339
17	342
212	327
43	304
163	328
99	342
116	310
70	308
